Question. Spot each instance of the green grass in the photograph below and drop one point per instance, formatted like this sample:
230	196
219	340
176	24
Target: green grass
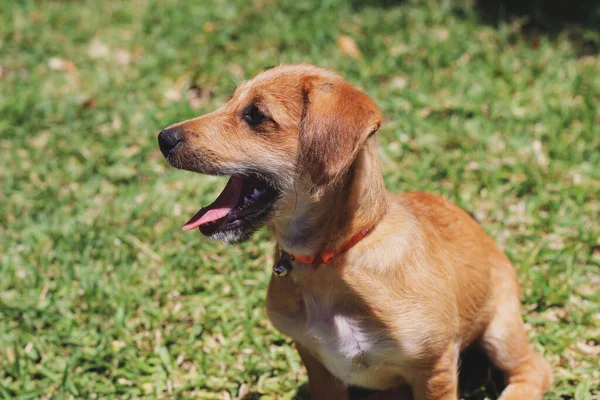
103	296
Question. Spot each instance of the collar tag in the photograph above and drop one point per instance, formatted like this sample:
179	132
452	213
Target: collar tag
283	266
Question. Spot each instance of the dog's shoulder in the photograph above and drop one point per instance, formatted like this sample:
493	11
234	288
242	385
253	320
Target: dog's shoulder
425	199
434	208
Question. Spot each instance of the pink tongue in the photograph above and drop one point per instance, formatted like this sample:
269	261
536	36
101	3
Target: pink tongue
226	201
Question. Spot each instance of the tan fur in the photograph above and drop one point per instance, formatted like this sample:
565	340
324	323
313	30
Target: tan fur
423	285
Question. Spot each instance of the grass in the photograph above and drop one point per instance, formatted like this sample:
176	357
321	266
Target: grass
103	296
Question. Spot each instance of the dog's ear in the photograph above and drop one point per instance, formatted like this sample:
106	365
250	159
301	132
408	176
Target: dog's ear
337	119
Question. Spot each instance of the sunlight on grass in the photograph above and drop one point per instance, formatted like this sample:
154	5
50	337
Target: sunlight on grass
103	296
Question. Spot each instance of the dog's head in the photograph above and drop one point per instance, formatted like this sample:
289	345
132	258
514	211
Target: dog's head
292	129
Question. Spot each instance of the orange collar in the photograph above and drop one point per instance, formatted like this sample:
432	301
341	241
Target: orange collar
326	258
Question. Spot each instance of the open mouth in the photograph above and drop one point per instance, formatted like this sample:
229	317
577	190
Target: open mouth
247	199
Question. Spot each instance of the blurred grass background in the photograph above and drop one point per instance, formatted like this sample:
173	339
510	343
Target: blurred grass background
103	296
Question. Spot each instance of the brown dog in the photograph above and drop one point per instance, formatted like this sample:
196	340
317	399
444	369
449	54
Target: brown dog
378	290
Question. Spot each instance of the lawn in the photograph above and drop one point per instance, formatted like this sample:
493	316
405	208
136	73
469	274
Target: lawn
101	293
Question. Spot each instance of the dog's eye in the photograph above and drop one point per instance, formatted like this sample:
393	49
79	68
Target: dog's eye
253	116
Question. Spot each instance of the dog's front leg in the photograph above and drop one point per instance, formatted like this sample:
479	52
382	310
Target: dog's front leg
323	385
438	381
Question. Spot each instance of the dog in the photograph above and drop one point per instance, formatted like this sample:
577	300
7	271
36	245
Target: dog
378	290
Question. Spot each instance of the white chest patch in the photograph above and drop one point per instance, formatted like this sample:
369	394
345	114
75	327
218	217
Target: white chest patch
355	349
341	337
343	343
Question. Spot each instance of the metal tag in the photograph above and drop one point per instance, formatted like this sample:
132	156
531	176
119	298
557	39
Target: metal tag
283	266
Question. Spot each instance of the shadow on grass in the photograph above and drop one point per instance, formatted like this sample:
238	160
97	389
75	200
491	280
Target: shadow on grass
547	15
303	393
478	378
578	19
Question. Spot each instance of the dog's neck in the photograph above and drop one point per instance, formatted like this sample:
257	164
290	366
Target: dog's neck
324	223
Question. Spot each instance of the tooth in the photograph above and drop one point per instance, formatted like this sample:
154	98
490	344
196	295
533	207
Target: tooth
246	200
256	193
262	191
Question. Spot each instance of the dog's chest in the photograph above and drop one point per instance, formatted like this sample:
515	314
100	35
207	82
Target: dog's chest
346	343
338	334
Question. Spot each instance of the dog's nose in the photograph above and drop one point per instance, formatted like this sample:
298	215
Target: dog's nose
168	139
